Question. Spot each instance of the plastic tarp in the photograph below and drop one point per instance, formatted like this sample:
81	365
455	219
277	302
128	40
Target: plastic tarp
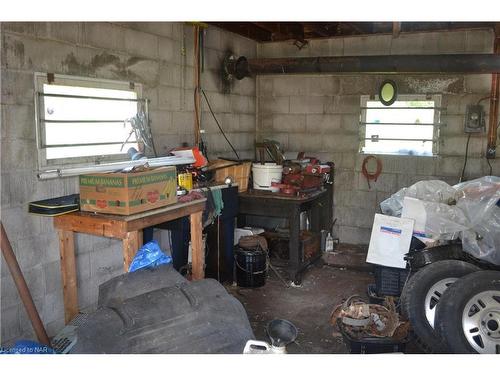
470	211
149	256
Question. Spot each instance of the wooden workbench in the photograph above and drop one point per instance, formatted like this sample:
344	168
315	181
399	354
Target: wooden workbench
129	230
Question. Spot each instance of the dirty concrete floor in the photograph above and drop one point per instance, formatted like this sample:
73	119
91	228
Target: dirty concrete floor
308	307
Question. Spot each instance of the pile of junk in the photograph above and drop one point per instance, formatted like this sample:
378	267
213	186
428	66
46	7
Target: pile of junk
447	286
153	309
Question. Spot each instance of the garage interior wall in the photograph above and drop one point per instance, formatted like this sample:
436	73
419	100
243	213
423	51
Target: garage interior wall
320	114
158	55
316	114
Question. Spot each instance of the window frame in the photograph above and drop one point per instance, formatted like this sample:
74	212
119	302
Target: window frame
437	98
40	79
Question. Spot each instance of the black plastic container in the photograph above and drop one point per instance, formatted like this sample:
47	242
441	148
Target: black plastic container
421	258
389	281
372	345
251	267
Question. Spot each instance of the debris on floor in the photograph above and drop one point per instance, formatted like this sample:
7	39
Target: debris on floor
308	307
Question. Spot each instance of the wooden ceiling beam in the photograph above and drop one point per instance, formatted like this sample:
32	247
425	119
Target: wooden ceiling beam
396	29
319	28
281	31
247	29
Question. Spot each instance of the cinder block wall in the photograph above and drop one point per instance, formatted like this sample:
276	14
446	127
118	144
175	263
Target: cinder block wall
158	55
319	114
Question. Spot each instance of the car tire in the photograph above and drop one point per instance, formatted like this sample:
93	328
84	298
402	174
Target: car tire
421	295
468	314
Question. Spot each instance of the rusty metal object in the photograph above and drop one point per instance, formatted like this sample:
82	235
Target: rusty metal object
310	243
450	63
22	288
360	319
494	98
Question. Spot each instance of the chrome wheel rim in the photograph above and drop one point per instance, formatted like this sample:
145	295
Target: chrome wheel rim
481	322
433	296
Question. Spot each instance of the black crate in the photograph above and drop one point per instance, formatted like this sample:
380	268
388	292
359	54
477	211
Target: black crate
371	345
390	281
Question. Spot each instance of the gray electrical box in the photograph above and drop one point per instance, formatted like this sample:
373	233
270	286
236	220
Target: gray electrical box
474	119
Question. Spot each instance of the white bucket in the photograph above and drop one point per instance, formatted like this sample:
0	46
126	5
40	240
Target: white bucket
264	174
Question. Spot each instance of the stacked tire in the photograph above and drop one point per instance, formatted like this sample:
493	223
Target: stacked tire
454	307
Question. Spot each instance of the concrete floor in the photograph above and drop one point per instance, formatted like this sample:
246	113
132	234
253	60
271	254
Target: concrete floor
308	307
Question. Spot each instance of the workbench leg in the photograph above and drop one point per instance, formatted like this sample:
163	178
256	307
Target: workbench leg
198	253
294	245
131	244
68	274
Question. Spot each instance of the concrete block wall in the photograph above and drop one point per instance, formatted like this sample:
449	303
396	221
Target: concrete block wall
158	55
320	114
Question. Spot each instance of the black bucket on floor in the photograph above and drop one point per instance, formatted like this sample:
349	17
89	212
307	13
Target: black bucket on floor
251	267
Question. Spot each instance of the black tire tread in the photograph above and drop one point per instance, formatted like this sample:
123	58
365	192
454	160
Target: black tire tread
449	311
412	300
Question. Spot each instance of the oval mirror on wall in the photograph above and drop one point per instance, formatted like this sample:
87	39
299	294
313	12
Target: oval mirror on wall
388	92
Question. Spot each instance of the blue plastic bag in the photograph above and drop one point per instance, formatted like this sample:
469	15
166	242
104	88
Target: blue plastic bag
27	347
149	256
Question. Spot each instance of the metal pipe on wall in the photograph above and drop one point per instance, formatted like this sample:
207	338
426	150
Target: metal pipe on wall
22	288
110	167
385	64
494	98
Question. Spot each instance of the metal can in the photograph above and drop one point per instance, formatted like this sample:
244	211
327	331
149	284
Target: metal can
185	180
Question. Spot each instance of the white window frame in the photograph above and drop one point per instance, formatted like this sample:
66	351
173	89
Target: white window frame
410	97
68	80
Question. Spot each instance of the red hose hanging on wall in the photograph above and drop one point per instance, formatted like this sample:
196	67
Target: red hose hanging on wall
371	176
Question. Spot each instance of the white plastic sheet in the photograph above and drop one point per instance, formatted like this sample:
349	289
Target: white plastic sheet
430	191
469	210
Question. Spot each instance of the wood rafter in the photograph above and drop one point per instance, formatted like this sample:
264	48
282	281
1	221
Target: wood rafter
302	31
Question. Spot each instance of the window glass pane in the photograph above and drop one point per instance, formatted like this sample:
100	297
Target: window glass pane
399	147
400	131
406	116
68	112
58	108
76	151
69	133
399	124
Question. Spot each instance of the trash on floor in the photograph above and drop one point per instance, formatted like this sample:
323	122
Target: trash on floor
366	326
281	332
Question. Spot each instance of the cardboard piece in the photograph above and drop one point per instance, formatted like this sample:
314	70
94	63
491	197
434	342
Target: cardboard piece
390	241
414	209
128	193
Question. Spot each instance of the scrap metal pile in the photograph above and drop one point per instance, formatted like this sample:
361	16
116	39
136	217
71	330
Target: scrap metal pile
359	319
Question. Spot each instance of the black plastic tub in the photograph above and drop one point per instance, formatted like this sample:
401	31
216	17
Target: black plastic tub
372	345
251	267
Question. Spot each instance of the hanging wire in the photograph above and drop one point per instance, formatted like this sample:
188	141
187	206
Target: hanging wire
197	88
465	159
220	127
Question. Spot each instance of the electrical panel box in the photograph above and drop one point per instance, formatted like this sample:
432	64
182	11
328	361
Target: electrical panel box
474	119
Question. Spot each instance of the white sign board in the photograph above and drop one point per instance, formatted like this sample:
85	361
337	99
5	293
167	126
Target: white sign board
390	241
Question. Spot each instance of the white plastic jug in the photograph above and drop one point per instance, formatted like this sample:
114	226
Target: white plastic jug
262	347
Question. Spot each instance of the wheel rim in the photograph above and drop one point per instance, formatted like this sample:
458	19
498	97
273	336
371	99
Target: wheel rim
481	322
433	296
